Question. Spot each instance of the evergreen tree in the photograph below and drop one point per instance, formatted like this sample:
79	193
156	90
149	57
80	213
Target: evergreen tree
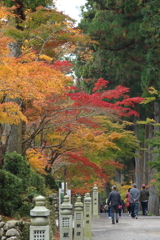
150	30
126	51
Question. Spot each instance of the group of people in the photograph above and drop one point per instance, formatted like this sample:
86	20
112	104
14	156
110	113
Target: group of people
133	196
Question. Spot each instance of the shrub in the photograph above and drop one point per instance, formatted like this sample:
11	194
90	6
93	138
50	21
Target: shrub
17	165
10	190
37	181
50	182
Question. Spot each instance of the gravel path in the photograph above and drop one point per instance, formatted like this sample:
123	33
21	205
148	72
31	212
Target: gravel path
143	228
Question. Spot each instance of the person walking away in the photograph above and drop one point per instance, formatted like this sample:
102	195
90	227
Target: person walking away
109	209
119	210
128	206
144	196
123	206
101	208
114	198
134	200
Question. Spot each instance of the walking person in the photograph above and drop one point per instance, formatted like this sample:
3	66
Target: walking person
123	206
101	208
128	206
144	196
134	200
114	198
109	209
119	210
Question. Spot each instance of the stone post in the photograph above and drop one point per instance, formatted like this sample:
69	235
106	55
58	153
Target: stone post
78	219
39	229
66	223
95	201
61	196
87	217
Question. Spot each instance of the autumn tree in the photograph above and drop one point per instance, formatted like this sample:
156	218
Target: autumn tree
59	37
75	130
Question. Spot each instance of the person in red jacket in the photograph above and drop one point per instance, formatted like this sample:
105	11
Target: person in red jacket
128	206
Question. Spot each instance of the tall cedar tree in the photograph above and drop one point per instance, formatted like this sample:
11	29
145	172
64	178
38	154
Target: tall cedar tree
127	49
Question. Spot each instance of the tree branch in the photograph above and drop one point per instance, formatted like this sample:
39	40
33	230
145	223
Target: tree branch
121	48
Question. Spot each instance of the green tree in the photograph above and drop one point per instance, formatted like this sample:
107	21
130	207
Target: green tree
127	49
150	31
155	143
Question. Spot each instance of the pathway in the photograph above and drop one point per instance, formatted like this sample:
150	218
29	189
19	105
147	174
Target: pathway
143	228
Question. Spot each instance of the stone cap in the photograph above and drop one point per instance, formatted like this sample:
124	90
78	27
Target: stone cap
87	198
40	209
66	204
95	188
78	202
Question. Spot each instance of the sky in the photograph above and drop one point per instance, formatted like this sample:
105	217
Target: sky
70	7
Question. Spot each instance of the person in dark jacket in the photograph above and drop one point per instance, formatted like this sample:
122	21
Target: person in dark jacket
144	196
115	199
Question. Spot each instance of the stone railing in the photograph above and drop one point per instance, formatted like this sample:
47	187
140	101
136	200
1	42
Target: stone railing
14	230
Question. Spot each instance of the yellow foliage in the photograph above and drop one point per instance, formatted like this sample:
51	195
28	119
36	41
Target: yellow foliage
31	80
10	113
114	136
152	90
45	57
148	100
148	121
37	160
89	137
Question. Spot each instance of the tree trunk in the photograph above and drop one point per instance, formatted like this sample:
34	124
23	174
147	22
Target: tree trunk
15	138
138	163
119	177
14	132
153	204
143	173
154	199
2	146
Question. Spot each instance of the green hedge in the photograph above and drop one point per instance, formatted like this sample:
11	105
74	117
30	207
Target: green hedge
10	191
37	181
20	185
17	165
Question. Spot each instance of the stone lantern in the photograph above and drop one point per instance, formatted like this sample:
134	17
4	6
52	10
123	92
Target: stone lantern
39	229
78	219
66	223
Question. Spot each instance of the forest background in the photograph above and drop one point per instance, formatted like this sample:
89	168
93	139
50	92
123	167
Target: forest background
88	129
